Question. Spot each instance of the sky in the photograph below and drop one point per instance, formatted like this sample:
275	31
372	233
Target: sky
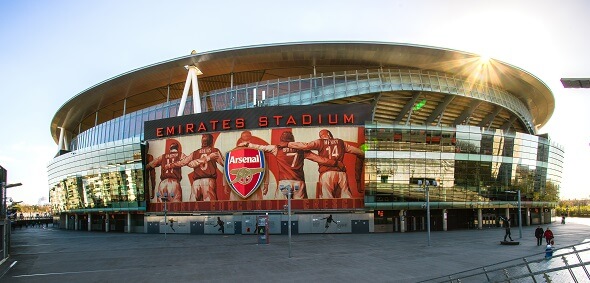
52	50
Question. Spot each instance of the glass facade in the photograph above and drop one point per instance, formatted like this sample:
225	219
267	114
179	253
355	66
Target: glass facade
101	177
471	165
126	127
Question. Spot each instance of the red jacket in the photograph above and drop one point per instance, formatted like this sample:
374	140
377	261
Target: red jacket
548	234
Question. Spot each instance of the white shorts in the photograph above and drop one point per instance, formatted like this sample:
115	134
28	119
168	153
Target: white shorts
171	188
204	189
334	184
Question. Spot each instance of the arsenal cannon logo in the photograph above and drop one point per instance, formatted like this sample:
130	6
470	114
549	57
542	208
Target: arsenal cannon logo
244	170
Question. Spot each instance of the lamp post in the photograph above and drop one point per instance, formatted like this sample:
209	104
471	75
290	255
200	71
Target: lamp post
519	213
164	198
288	191
519	217
426	190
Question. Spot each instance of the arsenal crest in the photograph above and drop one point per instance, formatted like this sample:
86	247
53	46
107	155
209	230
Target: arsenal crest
244	170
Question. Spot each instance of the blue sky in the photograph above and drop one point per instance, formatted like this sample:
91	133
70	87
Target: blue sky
52	50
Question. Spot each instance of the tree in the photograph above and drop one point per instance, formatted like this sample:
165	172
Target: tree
551	192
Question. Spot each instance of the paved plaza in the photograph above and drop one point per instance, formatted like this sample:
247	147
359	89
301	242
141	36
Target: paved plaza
53	255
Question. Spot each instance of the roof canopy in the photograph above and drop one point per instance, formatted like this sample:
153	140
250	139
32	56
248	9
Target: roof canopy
272	61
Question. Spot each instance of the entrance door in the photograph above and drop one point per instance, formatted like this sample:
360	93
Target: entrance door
360	226
237	227
198	228
285	227
153	227
83	224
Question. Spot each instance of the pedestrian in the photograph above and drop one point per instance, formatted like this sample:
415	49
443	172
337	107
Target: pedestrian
539	235
549	250
548	235
507	225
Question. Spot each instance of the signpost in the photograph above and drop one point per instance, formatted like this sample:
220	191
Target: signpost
164	198
426	184
288	190
519	213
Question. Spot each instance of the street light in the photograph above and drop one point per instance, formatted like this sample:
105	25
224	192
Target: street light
288	191
426	190
575	82
13	185
519	214
164	198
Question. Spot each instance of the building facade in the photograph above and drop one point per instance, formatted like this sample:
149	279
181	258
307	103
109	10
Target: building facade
408	126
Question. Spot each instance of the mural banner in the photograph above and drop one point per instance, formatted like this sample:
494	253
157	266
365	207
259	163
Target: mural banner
253	170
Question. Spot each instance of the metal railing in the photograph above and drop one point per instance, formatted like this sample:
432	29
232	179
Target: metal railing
568	264
305	90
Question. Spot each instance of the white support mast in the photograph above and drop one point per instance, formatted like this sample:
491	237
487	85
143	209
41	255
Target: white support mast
60	144
191	80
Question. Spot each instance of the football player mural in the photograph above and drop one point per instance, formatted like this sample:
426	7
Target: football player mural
255	168
170	178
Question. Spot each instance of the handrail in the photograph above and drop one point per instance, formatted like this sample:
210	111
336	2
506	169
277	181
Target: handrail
323	87
524	269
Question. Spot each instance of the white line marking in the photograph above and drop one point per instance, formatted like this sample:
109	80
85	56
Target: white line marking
8	269
62	273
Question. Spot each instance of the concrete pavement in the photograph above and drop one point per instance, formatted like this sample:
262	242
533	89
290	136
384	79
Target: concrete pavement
52	255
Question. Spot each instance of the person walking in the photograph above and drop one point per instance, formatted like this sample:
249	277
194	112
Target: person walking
548	235
539	235
507	225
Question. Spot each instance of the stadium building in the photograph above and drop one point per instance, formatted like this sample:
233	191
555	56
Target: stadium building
367	137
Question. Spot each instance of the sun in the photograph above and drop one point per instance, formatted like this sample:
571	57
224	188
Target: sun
484	59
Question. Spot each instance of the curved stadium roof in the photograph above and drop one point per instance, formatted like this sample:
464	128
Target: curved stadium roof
147	86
